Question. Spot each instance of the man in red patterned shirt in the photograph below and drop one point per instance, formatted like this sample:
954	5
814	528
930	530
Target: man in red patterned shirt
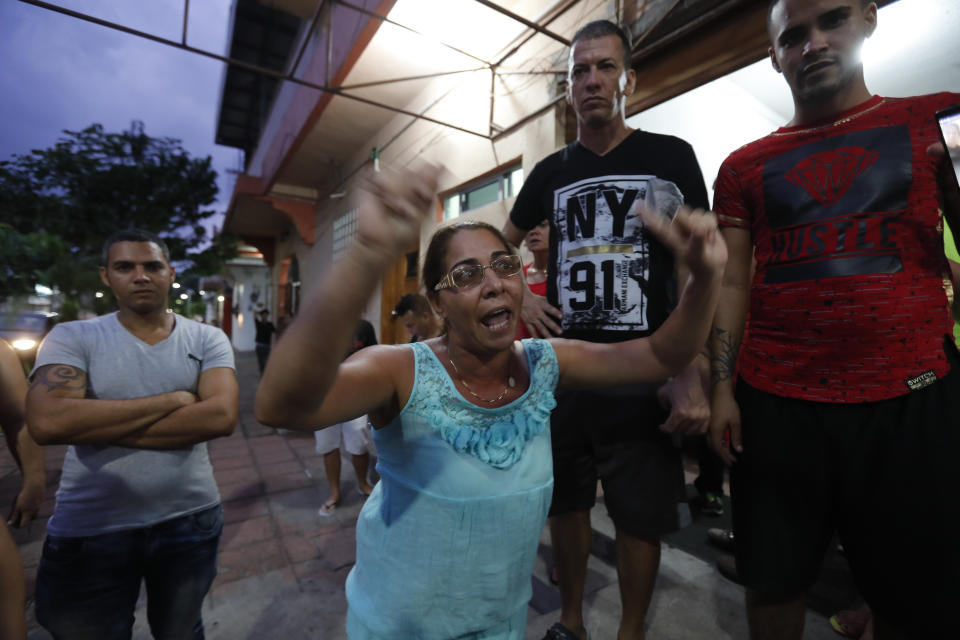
844	418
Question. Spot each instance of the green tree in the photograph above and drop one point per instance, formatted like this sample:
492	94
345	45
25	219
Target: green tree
60	204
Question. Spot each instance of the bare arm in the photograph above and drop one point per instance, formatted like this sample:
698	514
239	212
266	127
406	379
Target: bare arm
303	368
58	412
13	394
213	416
677	342
370	382
26	452
13	624
687	394
295	391
33	490
725	340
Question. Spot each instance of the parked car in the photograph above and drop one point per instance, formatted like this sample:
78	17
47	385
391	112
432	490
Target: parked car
24	331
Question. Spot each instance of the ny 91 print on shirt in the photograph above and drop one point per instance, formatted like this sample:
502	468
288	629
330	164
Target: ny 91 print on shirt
603	256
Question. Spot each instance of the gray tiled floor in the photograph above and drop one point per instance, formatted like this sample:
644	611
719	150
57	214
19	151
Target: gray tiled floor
282	568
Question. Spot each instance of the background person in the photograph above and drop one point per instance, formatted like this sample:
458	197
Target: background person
447	541
264	337
417	316
354	434
535	273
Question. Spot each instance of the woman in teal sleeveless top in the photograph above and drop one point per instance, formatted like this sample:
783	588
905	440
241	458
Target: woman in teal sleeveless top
447	541
468	489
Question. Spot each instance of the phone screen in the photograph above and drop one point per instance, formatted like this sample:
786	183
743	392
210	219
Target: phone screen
949	121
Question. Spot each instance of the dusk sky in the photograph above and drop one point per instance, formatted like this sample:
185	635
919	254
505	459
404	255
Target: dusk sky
61	73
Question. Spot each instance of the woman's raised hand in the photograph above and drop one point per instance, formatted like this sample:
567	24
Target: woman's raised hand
391	206
693	237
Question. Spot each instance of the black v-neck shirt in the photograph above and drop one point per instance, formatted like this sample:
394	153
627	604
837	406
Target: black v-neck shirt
612	281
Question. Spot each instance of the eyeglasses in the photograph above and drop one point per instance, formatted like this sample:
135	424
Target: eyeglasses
465	276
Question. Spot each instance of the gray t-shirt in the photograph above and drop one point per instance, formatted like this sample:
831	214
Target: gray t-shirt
111	488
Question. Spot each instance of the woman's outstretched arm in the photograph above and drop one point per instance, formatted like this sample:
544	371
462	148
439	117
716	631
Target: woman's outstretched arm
306	361
694	239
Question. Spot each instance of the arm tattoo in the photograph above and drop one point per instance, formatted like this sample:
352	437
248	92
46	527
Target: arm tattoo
723	359
59	376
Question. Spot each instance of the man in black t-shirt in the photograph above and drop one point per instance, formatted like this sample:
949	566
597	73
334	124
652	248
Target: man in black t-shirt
608	281
264	337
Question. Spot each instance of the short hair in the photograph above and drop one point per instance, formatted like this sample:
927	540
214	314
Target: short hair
433	264
774	3
133	235
364	334
411	302
601	28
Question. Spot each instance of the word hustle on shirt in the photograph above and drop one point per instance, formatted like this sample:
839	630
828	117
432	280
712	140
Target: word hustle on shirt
851	245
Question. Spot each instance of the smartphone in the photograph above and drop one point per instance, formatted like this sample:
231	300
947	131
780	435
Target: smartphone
949	121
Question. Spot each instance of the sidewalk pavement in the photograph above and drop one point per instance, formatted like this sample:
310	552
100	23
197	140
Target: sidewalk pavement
282	568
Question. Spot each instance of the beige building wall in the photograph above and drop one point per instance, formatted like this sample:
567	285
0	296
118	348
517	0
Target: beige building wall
464	157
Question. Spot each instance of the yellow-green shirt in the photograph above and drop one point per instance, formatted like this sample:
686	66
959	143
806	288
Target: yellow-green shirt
950	248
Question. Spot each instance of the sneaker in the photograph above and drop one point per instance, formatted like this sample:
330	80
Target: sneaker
851	623
722	538
560	632
712	504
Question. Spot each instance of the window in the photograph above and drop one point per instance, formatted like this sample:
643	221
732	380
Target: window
500	186
344	231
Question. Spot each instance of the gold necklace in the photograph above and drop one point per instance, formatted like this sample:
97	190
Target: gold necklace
511	383
835	123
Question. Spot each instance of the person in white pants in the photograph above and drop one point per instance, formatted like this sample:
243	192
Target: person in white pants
355	436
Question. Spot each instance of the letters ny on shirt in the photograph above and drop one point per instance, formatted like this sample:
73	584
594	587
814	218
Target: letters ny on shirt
603	256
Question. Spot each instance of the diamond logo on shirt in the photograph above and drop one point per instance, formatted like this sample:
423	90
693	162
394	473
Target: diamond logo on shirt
826	176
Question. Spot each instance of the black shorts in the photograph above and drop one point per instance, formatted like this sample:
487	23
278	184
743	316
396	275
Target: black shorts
616	439
879	474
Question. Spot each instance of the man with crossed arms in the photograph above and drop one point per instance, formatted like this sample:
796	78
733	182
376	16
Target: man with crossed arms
136	394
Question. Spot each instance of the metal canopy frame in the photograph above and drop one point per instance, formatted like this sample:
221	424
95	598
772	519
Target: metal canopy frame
494	132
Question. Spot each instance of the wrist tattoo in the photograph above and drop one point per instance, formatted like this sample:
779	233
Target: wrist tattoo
723	356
